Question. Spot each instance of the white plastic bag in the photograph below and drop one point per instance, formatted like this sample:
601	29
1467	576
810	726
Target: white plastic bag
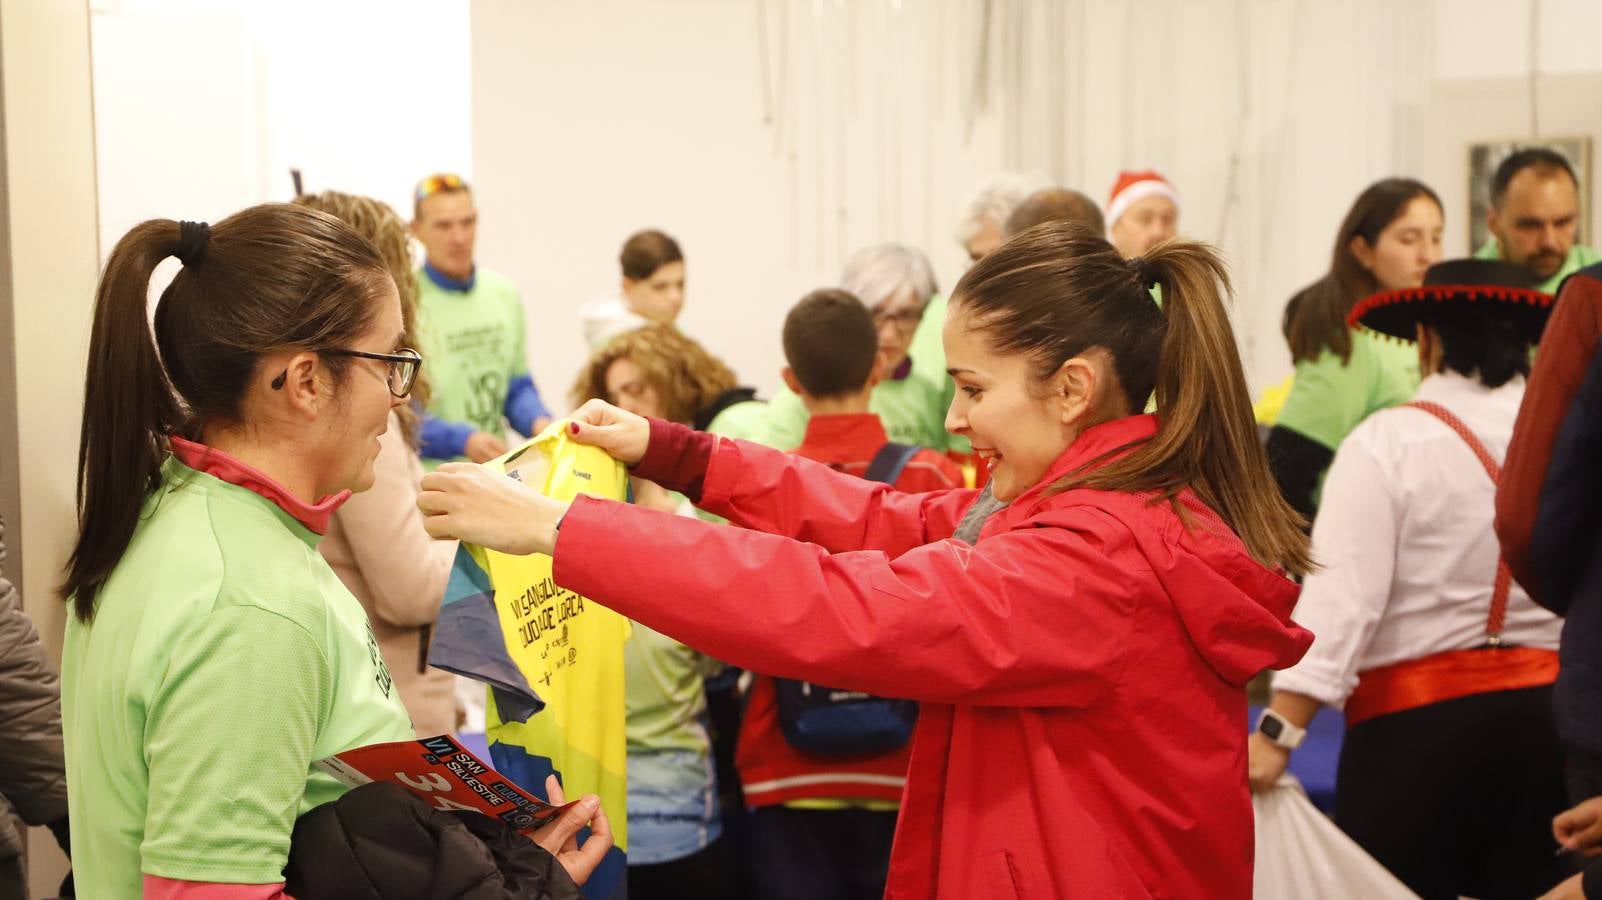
1301	855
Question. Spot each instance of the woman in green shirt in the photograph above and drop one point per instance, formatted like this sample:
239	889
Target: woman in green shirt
1389	237
212	656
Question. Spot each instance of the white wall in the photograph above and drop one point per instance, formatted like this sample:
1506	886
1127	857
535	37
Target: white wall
203	106
592	120
47	284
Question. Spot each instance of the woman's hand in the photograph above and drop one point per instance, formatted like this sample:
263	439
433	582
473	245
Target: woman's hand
1265	762
560	838
470	503
623	435
1580	829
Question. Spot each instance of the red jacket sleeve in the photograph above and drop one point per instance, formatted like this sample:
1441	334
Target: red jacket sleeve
781	494
1565	355
762	488
1037	616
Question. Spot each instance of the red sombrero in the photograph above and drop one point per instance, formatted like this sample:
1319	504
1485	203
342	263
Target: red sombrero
1458	288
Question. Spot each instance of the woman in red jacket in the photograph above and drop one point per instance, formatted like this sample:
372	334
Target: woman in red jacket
1080	639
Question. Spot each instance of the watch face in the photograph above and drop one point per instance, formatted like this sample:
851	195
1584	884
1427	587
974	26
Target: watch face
1271	728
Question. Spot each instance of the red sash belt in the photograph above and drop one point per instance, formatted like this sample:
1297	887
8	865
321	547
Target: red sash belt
1446	676
1413	683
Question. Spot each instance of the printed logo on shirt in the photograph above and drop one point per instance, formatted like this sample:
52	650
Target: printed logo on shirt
487	391
382	678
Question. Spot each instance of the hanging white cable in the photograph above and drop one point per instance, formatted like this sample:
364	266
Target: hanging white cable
1535	68
981	70
820	57
1056	31
762	61
782	90
898	57
1244	86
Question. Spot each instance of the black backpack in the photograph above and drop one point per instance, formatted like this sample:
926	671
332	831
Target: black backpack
833	722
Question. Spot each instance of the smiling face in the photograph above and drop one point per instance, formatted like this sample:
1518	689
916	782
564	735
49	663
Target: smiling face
349	435
342	441
1019	423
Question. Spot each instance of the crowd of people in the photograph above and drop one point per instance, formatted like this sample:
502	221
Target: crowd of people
977	594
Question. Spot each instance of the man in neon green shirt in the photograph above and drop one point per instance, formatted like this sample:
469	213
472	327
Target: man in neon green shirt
1534	217
470	324
896	283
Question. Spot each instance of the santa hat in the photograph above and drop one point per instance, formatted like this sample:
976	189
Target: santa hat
1133	186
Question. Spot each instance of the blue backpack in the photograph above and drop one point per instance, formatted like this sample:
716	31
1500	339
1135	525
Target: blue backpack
832	722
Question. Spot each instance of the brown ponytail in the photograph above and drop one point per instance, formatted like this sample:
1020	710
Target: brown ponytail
273	277
1055	292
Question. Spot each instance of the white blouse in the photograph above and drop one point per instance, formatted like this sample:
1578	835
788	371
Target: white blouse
1405	543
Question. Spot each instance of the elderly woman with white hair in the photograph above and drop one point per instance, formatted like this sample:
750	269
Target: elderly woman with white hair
896	283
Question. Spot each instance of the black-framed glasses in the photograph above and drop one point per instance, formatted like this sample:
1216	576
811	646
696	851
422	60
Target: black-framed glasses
403	366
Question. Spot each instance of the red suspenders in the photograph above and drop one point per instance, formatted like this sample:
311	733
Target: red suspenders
1456	673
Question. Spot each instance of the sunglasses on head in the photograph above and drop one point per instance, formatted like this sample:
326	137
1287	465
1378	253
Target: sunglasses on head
433	184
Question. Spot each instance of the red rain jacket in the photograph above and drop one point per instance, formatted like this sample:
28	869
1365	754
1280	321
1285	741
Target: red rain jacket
1082	668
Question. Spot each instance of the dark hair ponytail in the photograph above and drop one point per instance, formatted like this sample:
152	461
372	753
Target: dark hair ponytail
128	409
1055	291
273	277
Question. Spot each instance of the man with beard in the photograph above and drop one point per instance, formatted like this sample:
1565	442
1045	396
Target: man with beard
1534	217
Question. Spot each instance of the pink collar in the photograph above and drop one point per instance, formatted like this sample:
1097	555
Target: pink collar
223	467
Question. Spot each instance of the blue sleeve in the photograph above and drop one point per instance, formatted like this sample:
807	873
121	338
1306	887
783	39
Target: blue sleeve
439	439
523	405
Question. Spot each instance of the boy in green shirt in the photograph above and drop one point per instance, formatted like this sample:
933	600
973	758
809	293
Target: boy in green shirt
470	323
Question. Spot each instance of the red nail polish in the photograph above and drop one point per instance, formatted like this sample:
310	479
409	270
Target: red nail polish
573	427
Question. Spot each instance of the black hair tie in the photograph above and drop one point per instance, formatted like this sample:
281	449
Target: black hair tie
1145	272
192	238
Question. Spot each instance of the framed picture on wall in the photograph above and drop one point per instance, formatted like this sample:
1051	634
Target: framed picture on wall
1484	157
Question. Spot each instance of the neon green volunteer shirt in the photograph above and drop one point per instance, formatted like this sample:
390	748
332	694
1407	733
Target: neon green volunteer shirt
473	348
911	408
223	659
928	352
1329	398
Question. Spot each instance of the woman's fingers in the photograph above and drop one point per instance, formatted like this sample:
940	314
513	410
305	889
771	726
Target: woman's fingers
481	507
557	835
581	863
621	434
